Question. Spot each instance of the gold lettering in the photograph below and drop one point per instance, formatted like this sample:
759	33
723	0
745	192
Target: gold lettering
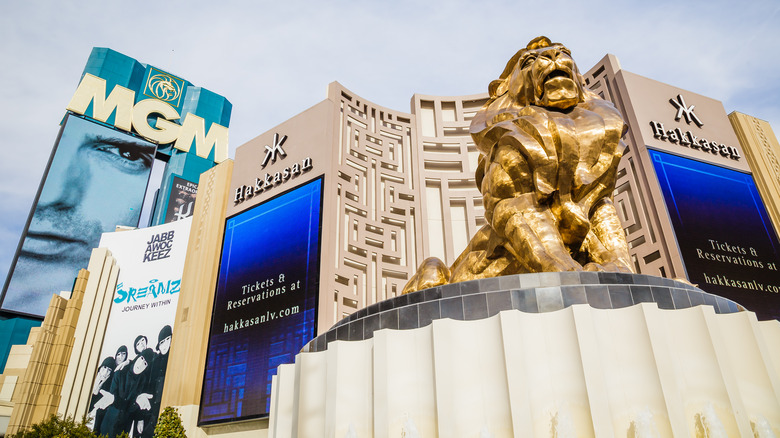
194	129
165	132
92	89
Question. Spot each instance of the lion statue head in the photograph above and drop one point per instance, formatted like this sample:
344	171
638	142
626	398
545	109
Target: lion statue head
542	74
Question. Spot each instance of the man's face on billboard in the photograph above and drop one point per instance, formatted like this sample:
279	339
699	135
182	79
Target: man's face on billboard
120	357
139	365
140	345
165	345
96	182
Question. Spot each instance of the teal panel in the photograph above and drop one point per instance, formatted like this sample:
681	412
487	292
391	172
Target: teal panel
14	331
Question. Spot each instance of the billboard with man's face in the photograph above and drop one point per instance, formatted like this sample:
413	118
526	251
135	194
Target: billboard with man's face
95	181
99	171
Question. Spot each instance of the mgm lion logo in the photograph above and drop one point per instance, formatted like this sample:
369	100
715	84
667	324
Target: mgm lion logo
164	87
549	152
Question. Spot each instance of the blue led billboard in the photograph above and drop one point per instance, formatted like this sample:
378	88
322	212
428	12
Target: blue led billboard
265	302
95	181
727	242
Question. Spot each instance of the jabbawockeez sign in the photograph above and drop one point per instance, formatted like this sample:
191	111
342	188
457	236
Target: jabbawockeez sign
128	383
129	116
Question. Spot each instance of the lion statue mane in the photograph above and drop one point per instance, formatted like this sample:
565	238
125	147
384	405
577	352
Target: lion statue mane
549	153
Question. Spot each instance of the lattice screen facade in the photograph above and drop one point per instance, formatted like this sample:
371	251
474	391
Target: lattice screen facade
633	201
405	191
378	203
452	202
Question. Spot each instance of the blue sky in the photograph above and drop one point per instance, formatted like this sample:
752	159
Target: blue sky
274	59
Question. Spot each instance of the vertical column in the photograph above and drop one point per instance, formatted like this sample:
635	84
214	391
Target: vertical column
193	315
26	395
404	383
349	400
57	362
471	385
88	337
311	373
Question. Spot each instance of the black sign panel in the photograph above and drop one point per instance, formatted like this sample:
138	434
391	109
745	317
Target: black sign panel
265	303
725	236
181	202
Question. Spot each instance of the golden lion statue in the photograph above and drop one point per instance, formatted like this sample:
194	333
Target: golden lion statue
549	152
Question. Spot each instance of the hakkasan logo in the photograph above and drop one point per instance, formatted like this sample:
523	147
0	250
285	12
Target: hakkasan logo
164	86
685	111
687	138
268	180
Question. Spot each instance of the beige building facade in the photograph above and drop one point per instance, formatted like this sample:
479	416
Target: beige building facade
37	395
371	224
399	187
638	196
88	335
448	159
687	163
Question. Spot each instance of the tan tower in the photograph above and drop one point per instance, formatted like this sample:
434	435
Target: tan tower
38	395
88	337
193	314
763	154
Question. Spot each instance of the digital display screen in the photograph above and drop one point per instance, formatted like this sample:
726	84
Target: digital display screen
181	202
96	180
265	302
726	239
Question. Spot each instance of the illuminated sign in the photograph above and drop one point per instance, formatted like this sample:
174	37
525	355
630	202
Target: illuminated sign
91	92
181	202
268	180
726	240
265	302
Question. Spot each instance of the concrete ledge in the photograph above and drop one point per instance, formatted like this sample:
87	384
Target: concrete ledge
530	293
